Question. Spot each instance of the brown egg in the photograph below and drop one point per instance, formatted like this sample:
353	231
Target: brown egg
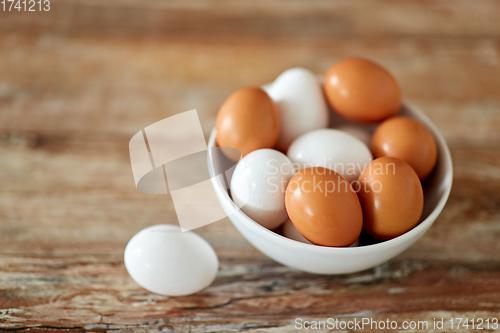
391	196
323	207
248	120
408	140
361	90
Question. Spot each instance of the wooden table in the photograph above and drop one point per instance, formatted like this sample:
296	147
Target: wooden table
78	81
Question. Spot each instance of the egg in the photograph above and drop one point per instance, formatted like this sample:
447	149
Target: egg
361	90
248	120
299	98
363	134
258	186
167	261
355	244
289	231
324	208
408	140
333	149
391	196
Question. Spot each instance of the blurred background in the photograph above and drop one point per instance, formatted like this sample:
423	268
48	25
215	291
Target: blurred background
78	81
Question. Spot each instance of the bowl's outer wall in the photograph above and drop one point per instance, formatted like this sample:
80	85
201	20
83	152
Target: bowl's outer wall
328	260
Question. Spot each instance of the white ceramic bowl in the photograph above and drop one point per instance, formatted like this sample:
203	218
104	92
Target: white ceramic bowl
333	260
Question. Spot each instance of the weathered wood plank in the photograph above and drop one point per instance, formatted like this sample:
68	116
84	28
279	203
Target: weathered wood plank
104	86
261	19
94	289
97	290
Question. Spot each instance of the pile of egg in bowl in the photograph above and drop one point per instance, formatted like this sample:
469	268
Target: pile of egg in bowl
336	175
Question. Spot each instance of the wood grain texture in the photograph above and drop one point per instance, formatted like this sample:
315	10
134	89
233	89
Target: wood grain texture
77	82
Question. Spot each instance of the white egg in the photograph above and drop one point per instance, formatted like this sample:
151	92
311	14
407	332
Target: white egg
332	149
167	261
291	232
258	186
301	103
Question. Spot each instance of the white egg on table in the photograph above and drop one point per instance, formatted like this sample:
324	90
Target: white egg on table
258	186
333	149
167	261
301	104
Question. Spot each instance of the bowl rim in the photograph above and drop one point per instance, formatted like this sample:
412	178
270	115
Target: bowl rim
406	237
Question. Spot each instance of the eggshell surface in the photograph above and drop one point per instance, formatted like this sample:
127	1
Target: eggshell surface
324	208
363	134
299	98
332	149
167	261
408	140
391	196
248	120
258	186
361	90
291	232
